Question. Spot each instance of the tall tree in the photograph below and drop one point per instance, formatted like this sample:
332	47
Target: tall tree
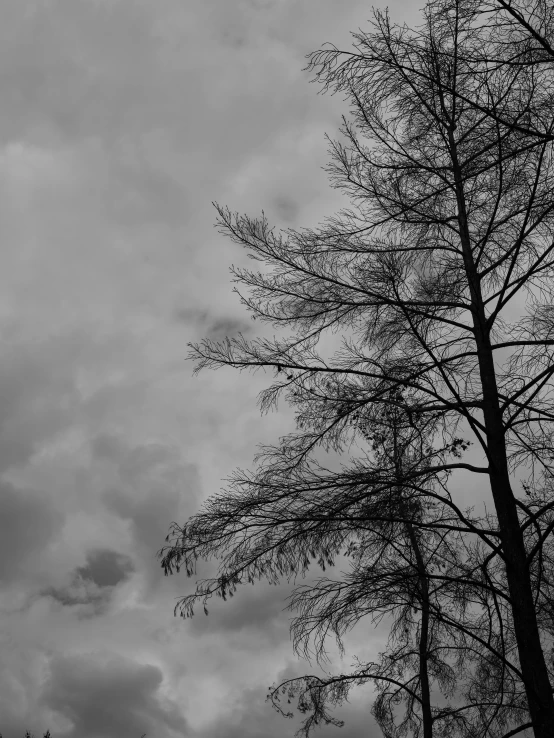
439	278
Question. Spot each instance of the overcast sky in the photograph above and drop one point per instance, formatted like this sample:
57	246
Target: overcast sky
121	120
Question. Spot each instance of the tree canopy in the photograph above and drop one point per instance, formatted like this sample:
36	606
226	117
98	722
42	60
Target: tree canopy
436	287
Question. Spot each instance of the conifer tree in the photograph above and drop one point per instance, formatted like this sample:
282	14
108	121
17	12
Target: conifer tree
439	279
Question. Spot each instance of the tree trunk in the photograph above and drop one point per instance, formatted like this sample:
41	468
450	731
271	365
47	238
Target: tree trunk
531	657
427	714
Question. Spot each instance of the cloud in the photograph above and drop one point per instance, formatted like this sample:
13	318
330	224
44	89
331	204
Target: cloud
35	398
150	486
28	522
253	717
92	586
55	73
256	612
213	326
122	121
106	568
106	696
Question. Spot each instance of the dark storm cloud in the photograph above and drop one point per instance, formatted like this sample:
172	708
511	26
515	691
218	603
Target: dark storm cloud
111	697
106	568
28	521
83	597
91	586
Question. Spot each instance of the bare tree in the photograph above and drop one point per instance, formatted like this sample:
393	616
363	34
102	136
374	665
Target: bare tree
519	42
439	278
530	21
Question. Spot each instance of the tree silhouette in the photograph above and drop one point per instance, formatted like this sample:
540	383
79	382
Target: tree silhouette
391	574
439	280
440	646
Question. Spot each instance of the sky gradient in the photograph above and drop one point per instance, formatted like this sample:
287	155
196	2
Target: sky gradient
122	120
